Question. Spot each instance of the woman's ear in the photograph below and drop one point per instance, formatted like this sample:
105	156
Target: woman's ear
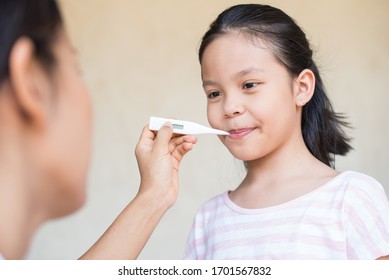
304	87
29	82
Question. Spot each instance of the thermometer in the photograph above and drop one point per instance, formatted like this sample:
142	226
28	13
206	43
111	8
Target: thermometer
184	127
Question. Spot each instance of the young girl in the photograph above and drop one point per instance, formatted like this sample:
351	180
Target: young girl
264	88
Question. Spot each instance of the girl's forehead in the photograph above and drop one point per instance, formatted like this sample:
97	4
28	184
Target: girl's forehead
236	50
237	43
232	57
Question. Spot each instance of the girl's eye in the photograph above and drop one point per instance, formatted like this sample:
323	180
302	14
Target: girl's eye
249	85
214	94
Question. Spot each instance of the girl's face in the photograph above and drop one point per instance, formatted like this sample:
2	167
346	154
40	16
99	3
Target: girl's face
251	95
68	140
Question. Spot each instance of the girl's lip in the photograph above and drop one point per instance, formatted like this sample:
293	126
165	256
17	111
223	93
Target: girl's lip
240	133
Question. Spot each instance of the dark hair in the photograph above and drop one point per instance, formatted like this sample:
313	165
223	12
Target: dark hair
38	20
322	128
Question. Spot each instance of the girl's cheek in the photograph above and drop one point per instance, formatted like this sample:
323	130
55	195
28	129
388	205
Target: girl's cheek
210	114
214	121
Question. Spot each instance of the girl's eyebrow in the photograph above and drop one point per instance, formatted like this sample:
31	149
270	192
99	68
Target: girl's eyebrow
248	71
237	75
209	83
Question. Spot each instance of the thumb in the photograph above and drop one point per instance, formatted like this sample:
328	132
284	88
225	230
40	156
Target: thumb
163	137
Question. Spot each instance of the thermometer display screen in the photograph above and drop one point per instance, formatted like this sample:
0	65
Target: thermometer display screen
178	126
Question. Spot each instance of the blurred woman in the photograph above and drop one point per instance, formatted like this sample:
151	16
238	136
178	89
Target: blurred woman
45	140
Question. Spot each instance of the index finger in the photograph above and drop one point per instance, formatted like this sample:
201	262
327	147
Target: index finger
147	134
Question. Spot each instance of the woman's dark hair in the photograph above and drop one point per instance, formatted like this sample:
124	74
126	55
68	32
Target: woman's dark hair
322	128
38	20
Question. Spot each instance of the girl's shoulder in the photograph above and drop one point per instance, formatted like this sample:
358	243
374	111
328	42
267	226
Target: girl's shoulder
213	203
353	180
358	177
361	189
366	216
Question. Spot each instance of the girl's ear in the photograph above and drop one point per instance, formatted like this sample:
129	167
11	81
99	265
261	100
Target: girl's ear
29	82
304	87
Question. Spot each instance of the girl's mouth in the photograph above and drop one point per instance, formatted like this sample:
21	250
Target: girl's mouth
240	133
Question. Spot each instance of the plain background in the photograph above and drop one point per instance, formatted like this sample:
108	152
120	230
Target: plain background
139	59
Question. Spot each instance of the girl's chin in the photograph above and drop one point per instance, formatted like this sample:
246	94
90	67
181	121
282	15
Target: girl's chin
246	157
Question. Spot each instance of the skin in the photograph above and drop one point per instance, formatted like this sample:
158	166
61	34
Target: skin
251	95
45	143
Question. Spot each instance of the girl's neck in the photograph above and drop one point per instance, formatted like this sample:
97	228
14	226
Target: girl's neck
281	176
280	165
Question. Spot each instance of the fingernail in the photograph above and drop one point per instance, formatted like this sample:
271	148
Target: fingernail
168	124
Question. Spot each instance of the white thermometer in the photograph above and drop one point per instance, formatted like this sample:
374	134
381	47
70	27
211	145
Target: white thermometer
184	127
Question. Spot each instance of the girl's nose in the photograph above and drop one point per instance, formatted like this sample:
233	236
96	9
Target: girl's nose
232	108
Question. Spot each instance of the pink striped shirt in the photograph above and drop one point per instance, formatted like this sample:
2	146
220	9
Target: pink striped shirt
347	218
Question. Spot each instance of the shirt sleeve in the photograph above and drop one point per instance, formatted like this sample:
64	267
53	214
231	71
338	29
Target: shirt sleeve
196	243
190	249
366	210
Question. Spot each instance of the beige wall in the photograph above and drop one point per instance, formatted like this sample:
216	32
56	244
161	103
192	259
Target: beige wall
140	59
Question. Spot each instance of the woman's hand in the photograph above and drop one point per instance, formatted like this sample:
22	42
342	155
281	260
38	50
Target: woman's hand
159	157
